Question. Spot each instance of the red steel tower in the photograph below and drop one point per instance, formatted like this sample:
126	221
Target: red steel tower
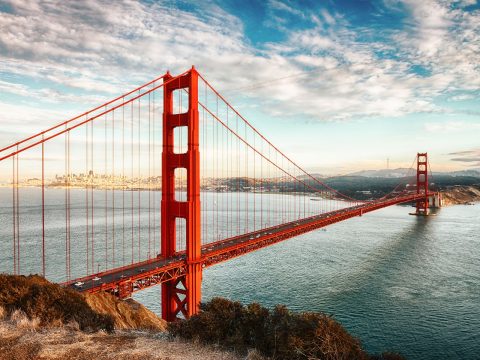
422	183
181	295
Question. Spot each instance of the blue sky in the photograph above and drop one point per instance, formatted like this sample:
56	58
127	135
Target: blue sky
338	85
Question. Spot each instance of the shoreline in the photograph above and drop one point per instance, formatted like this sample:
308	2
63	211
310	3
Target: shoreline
461	195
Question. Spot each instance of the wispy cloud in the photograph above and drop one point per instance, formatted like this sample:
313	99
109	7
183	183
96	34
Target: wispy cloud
462	97
467	157
446	40
97	49
451	126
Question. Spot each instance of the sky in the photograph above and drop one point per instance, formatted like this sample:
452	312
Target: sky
339	86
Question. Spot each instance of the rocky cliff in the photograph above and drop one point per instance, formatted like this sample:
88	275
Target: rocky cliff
465	195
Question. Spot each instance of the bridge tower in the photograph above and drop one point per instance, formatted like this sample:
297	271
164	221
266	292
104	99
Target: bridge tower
181	295
422	184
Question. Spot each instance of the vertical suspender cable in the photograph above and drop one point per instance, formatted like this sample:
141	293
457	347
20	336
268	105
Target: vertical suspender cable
217	142
261	187
203	173
123	182
14	215
149	175
65	177
238	176
154	176
227	176
113	184
254	187
139	181
105	184
69	208
43	206
86	179
18	215
92	237
131	171
246	180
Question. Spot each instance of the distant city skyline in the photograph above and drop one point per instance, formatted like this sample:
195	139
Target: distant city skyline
339	86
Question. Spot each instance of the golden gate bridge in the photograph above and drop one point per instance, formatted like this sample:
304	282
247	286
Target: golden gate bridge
226	190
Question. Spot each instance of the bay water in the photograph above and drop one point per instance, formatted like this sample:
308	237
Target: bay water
397	282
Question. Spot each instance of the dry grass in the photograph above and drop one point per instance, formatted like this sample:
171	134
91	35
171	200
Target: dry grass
64	343
22	321
126	314
40	320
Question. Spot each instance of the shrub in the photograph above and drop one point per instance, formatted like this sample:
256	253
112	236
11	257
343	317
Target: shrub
280	333
49	303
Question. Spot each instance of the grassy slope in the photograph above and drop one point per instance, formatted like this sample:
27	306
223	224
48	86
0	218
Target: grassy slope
126	314
41	320
22	340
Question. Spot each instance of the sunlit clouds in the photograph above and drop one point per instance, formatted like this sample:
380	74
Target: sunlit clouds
59	58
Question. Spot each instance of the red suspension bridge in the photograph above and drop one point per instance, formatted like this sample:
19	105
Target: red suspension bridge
226	190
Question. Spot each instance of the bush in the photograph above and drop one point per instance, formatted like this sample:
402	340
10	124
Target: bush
49	303
280	333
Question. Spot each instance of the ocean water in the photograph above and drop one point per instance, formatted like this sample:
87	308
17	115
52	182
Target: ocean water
397	282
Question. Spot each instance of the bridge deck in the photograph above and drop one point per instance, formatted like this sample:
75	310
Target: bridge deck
128	279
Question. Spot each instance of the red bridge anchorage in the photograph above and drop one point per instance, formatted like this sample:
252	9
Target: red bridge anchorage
226	191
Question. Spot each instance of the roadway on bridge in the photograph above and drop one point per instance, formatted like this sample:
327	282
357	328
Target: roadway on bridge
108	280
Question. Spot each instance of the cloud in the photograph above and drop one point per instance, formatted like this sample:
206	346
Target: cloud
466	152
451	126
468	157
445	40
285	7
329	19
462	97
465	3
21	119
95	47
324	72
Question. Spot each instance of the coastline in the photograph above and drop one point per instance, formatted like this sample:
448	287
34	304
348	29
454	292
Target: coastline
461	195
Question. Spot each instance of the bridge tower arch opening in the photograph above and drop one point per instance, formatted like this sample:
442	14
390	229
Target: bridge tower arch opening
183	294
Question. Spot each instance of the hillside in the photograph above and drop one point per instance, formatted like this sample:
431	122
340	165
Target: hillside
41	320
51	305
461	195
126	314
402	172
366	188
